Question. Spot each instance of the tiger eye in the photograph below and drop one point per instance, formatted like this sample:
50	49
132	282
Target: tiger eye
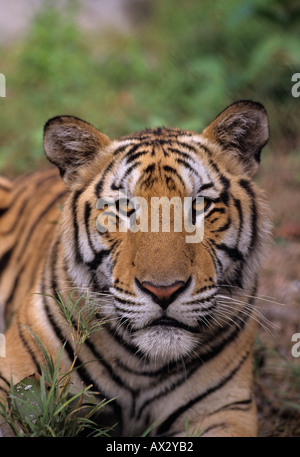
200	204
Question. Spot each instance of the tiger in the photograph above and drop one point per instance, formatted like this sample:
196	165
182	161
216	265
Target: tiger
179	316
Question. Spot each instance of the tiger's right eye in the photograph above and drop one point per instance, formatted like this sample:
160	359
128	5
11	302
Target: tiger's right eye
200	204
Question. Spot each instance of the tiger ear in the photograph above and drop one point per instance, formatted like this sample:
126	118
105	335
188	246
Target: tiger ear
71	143
242	129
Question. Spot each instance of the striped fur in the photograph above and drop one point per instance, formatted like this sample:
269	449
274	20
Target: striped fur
165	362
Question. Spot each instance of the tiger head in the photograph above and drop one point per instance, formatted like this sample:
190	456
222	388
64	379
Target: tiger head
165	289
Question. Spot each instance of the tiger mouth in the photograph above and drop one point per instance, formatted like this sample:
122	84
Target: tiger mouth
169	322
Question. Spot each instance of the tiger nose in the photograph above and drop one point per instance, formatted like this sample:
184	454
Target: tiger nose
163	295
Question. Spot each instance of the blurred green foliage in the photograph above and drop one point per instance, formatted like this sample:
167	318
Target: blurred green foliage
181	66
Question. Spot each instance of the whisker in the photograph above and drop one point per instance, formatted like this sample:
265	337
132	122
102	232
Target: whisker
262	297
226	318
253	313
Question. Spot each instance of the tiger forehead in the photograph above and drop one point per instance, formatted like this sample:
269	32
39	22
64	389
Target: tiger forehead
158	133
159	140
177	158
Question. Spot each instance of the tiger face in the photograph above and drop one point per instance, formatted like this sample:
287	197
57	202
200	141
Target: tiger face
166	293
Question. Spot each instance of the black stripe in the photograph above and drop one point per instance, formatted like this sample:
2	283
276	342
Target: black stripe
123	147
87	213
224	227
130	169
216	261
201	300
225	181
125	302
247	187
100	183
119	186
131	157
226	185
205	186
124	291
98	259
76	196
4	260
150	168
196	148
3	211
37	220
212	427
234	253
166	153
101	360
19	213
131	348
193	147
204	288
172	170
5	187
182	153
25	201
29	350
188	166
125	310
3	390
132	149
170	183
186	374
165	426
4	380
241	405
216	168
215	210
13	290
237	204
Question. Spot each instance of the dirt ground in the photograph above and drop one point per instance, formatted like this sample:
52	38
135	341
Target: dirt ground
277	381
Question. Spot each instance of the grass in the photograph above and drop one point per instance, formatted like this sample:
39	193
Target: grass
46	404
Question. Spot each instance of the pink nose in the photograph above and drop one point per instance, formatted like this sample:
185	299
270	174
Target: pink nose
163	293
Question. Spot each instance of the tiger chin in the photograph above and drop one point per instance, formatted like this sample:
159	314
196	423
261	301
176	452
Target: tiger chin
179	316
